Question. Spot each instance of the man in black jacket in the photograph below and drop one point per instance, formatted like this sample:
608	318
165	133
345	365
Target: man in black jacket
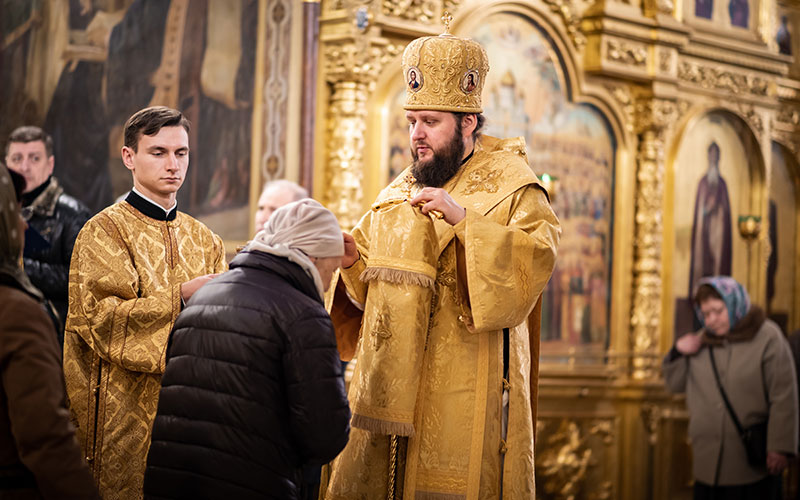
253	389
55	215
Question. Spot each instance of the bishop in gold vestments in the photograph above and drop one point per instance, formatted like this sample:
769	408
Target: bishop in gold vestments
431	424
129	268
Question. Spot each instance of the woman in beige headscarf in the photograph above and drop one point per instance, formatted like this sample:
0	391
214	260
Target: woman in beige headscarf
39	457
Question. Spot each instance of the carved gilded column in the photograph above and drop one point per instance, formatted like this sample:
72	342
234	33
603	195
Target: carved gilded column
347	115
653	116
354	55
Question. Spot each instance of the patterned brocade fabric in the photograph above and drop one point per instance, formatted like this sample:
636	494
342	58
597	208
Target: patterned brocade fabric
124	296
491	270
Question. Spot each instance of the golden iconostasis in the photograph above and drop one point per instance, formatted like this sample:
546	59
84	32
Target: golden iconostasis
619	104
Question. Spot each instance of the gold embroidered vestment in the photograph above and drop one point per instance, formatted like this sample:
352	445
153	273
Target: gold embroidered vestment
124	297
491	270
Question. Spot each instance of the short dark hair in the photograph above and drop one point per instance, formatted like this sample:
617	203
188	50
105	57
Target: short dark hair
29	133
476	134
705	292
149	121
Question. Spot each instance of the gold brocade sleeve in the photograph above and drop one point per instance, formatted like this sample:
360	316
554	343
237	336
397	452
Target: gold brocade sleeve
106	310
220	264
350	276
507	266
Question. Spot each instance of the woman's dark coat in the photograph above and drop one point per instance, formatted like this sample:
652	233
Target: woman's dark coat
253	388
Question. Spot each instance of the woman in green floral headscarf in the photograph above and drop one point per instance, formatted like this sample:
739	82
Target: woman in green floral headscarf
756	370
39	457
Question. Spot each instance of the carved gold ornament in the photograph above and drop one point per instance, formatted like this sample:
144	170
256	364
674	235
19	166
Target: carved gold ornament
626	52
718	78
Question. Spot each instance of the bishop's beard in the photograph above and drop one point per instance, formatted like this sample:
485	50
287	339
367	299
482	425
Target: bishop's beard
443	166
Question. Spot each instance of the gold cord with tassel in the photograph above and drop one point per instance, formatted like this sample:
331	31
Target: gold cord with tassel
393	444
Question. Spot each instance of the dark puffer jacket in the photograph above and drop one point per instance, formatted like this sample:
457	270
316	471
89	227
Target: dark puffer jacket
59	218
253	388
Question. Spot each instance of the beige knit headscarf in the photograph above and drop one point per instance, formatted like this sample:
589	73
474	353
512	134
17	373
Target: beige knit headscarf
300	230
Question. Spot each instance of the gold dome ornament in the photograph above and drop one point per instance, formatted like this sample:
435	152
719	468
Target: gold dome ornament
444	73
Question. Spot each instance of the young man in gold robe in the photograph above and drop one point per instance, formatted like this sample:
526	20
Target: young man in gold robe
133	267
448	267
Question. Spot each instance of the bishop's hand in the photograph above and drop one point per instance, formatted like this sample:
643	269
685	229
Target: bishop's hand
440	200
351	254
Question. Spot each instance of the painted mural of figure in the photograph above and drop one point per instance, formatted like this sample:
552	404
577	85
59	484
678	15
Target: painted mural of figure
76	117
784	38
182	54
703	8
32	37
772	262
711	229
739	11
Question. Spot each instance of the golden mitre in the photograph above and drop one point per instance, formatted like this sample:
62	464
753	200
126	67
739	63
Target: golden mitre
444	73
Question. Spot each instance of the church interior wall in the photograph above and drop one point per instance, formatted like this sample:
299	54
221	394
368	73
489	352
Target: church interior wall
79	69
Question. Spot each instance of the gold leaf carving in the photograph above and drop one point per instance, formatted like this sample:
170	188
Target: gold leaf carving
623	95
652	7
565	451
602	491
654	116
572	20
665	6
347	116
665	57
755	120
718	78
651	415
789	139
788	115
344	4
424	11
787	93
360	61
626	53
352	69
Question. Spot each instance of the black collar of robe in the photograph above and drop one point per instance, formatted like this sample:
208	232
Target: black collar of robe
149	208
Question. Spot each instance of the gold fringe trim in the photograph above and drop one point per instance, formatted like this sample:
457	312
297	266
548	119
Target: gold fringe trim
396	276
384	427
429	495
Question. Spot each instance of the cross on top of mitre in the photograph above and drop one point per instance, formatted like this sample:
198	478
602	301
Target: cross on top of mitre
447	19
